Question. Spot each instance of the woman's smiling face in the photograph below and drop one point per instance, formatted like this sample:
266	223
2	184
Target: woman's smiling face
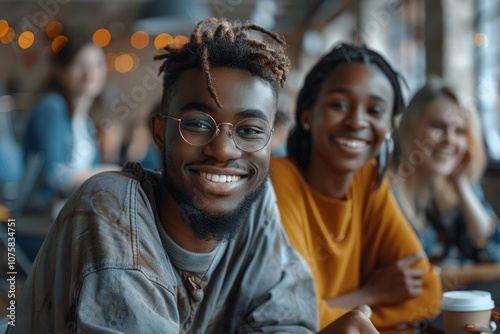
442	136
350	118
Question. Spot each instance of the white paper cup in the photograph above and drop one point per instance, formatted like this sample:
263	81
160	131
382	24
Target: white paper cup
465	307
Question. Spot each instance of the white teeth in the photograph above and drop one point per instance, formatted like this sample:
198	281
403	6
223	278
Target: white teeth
219	178
351	143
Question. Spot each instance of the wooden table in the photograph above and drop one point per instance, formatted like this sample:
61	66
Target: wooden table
454	277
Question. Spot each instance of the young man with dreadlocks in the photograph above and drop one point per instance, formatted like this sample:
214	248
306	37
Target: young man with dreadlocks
337	207
197	248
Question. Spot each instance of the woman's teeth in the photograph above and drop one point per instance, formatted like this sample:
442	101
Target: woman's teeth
352	143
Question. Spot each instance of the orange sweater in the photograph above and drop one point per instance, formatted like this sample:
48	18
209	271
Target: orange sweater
345	241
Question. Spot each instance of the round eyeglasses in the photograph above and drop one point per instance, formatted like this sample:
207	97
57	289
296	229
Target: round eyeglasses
198	129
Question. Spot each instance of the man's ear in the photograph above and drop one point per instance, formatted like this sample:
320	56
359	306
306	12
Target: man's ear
158	131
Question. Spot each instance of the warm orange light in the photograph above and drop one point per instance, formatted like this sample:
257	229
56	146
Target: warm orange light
180	40
26	39
53	29
101	37
4	28
163	40
481	40
124	63
139	40
110	61
136	60
58	43
9	36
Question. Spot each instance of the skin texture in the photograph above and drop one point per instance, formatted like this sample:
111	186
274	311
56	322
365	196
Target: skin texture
242	95
353	107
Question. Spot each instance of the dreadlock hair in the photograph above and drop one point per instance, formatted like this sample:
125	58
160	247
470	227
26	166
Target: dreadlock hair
300	141
216	42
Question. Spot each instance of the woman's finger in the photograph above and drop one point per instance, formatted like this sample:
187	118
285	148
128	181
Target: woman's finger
478	328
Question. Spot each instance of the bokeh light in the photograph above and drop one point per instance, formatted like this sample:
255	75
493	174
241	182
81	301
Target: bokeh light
139	40
26	39
124	63
110	61
481	40
4	28
101	37
163	40
58	43
53	29
9	36
180	40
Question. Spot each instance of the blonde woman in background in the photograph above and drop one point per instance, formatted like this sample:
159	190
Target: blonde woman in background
436	179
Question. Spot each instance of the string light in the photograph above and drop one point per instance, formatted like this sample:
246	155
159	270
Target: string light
4	28
26	39
139	40
101	37
163	40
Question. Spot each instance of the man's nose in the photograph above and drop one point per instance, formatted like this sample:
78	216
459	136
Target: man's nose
222	147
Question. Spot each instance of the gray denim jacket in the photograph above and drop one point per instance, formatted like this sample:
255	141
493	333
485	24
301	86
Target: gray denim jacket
104	268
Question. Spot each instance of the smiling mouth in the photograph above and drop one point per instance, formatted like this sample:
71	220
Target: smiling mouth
351	143
219	178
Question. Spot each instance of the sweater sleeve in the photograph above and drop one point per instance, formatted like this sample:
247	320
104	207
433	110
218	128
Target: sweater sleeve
387	238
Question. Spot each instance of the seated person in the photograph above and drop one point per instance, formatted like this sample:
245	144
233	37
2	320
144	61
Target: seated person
335	203
11	157
141	147
197	247
436	179
60	131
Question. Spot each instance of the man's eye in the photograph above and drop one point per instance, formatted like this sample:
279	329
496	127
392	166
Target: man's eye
248	132
196	125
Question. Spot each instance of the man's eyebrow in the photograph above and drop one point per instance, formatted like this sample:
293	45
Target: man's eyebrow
347	91
198	106
209	108
257	113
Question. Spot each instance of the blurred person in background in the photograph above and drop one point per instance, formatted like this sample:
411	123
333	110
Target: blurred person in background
141	146
11	159
60	132
436	178
283	124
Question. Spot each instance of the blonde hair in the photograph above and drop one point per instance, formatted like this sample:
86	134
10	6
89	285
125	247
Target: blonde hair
435	88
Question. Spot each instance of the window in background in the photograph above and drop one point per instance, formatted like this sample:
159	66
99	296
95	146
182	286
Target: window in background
487	69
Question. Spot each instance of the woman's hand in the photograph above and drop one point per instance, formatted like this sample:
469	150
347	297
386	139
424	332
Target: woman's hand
396	283
460	169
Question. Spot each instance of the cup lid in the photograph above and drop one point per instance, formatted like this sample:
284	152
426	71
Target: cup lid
466	301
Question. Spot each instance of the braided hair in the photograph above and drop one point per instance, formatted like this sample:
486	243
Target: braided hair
300	141
216	42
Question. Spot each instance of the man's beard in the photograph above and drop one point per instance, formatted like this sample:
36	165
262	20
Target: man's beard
220	227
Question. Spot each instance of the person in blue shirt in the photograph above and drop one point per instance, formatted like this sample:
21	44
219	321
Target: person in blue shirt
60	132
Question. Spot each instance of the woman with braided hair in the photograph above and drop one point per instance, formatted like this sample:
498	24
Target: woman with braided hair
198	246
336	205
